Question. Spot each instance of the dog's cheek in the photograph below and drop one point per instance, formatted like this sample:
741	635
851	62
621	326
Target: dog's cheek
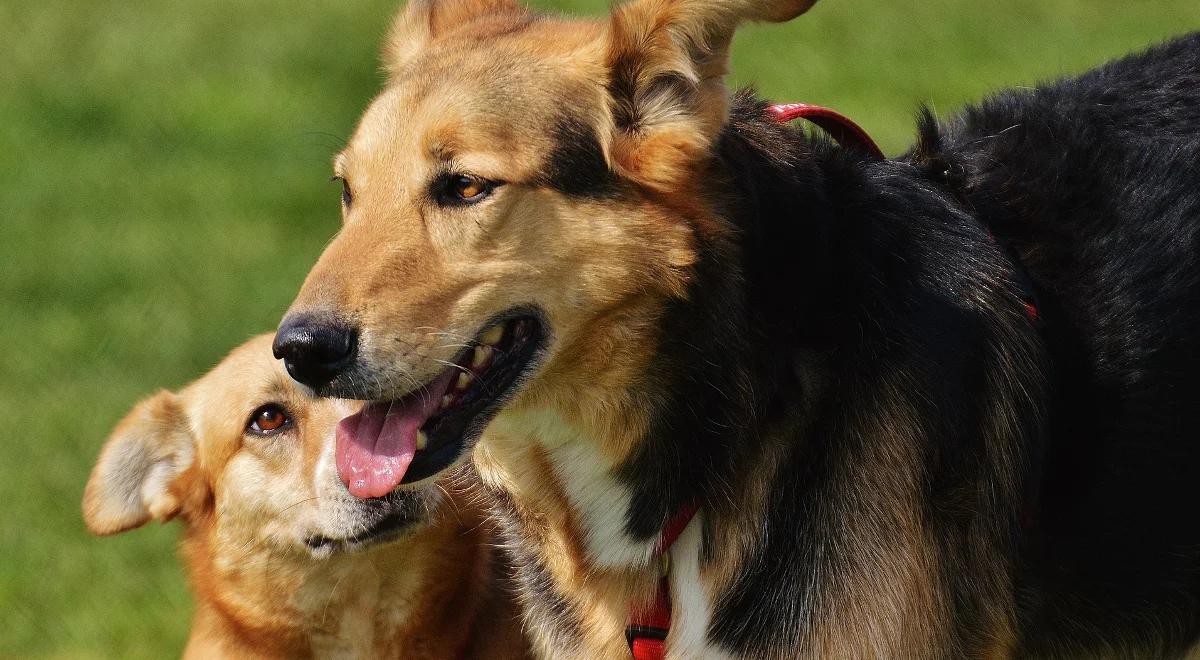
253	499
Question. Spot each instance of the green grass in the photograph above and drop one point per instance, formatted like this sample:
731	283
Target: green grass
163	190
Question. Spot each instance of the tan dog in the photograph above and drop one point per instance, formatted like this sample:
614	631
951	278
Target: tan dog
573	257
284	562
533	200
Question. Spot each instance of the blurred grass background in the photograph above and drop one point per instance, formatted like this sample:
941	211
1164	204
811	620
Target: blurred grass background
164	188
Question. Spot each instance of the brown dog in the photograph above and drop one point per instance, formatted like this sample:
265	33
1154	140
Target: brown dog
528	199
570	255
284	562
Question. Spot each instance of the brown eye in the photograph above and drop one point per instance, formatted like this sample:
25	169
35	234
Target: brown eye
466	187
268	419
347	196
462	189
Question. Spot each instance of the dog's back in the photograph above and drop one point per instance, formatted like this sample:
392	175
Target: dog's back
1094	183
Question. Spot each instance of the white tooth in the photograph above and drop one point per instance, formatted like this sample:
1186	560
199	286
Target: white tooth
481	356
446	401
422	440
464	380
493	335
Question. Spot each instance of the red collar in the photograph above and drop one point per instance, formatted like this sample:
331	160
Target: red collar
647	629
839	127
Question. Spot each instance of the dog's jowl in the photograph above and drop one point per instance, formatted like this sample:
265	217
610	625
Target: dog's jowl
937	406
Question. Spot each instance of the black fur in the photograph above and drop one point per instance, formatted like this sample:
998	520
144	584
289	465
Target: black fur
577	166
1095	182
1057	464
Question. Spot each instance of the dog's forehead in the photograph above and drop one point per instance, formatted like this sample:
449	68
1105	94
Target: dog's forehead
480	99
250	365
249	376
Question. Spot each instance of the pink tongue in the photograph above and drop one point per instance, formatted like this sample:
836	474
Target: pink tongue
376	444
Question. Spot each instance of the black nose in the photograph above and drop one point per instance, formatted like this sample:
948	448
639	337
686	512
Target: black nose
315	349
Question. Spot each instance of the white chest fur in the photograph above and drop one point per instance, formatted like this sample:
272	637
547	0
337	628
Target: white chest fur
598	500
691	604
602	503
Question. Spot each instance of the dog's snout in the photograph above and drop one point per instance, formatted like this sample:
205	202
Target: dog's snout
315	349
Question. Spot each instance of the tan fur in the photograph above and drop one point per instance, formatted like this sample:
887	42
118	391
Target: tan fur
248	502
907	589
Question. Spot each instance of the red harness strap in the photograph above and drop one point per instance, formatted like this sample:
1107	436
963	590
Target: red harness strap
647	629
839	127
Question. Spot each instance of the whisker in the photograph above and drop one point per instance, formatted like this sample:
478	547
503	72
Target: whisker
456	346
307	499
332	591
451	364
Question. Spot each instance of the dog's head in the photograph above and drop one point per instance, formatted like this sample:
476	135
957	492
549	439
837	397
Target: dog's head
519	202
247	454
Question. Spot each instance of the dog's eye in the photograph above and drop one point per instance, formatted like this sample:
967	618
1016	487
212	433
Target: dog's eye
268	419
347	196
462	189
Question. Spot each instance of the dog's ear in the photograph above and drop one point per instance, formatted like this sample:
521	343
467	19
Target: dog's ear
666	61
136	477
422	21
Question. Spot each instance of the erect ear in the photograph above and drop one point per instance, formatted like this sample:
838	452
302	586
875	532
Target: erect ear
422	21
666	61
136	477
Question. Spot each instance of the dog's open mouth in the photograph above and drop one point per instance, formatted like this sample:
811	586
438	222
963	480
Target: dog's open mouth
421	434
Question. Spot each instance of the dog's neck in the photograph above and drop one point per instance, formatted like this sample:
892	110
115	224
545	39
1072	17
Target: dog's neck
593	471
591	514
410	598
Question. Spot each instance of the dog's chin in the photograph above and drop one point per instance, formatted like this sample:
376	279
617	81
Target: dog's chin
381	521
450	411
389	529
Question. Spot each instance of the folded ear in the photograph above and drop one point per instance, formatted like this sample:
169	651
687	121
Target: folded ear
422	21
667	60
134	478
